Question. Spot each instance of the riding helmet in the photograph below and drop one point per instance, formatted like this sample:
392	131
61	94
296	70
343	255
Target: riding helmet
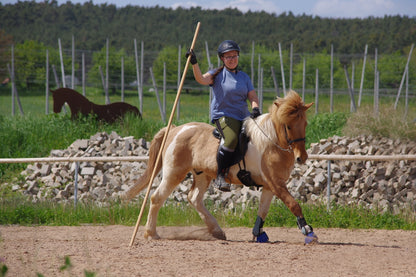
227	46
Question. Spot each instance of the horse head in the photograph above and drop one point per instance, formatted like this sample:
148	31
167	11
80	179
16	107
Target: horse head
289	117
58	101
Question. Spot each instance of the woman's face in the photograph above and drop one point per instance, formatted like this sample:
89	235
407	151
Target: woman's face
230	59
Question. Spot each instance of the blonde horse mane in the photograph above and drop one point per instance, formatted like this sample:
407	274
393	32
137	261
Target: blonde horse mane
263	132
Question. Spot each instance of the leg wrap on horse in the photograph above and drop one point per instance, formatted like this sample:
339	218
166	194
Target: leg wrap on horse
258	232
307	230
303	226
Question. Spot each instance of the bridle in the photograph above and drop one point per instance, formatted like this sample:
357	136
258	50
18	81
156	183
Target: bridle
292	140
289	142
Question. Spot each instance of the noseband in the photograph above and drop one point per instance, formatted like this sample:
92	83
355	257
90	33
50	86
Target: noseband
290	141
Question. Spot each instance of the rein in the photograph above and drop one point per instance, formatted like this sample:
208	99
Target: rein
277	145
289	142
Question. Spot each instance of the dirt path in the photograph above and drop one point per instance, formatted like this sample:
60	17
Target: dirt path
188	251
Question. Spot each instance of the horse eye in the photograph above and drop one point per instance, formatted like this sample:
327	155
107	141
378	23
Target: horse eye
288	127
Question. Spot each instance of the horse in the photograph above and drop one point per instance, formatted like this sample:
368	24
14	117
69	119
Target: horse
276	142
80	104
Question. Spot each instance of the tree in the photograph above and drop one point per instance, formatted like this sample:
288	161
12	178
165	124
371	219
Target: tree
114	67
30	60
5	43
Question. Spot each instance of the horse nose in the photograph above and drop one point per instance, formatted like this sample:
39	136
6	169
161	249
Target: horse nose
299	160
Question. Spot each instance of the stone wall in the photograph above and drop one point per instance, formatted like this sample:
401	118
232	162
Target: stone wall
388	185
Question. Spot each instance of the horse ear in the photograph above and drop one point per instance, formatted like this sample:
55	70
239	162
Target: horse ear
307	106
276	103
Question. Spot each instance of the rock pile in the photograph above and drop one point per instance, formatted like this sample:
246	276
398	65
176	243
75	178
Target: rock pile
388	185
97	181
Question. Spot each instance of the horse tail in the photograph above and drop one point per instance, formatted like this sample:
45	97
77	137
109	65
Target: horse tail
144	180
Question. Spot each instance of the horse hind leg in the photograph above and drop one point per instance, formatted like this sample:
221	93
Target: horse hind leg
196	198
166	187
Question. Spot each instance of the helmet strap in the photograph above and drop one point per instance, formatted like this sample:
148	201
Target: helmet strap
235	69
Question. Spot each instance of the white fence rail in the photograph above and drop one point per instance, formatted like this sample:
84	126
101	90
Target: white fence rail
362	157
76	159
329	158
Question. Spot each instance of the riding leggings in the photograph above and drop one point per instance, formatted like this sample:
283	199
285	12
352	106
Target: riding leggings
230	131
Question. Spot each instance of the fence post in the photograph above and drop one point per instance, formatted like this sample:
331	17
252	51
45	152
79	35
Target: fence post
47	83
276	85
136	55
350	90
376	94
164	89
11	71
331	82
141	73
404	76
83	73
73	63
362	76
375	71
317	91
303	78
107	97
252	61
122	79
62	63
328	187
157	95
282	69
178	111
208	58
291	67
76	184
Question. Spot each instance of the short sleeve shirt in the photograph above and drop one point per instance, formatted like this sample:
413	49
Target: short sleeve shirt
230	93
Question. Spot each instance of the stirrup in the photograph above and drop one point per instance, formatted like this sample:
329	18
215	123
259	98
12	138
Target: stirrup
221	184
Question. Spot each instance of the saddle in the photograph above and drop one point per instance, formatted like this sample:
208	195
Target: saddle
243	175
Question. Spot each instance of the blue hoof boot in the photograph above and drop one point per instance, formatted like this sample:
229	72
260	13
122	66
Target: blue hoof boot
262	237
311	238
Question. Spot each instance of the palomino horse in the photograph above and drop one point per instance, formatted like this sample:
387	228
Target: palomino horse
277	140
80	104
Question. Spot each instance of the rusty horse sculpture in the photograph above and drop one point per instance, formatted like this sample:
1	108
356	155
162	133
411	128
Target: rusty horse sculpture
79	104
277	141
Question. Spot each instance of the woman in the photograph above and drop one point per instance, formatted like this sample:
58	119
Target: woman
231	89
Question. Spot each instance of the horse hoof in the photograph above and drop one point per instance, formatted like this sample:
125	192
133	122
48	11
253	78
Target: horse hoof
311	238
219	235
263	237
148	236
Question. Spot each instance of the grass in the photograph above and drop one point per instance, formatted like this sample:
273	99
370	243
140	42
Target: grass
19	210
389	123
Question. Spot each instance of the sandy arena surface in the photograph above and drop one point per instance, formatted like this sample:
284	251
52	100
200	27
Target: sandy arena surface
189	251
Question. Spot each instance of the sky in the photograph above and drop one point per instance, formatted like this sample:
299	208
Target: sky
322	8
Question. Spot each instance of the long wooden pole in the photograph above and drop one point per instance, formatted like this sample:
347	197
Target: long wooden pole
165	136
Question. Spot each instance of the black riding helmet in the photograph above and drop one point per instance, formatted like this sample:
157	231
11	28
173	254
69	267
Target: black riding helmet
227	46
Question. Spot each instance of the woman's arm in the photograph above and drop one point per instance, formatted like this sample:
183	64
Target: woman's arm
254	100
203	79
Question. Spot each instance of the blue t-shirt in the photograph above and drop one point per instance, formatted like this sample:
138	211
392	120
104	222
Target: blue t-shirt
230	91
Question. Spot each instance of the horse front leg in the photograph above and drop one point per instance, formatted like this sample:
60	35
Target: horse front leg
265	199
307	230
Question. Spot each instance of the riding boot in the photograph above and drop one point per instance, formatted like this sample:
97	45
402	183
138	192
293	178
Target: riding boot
224	160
